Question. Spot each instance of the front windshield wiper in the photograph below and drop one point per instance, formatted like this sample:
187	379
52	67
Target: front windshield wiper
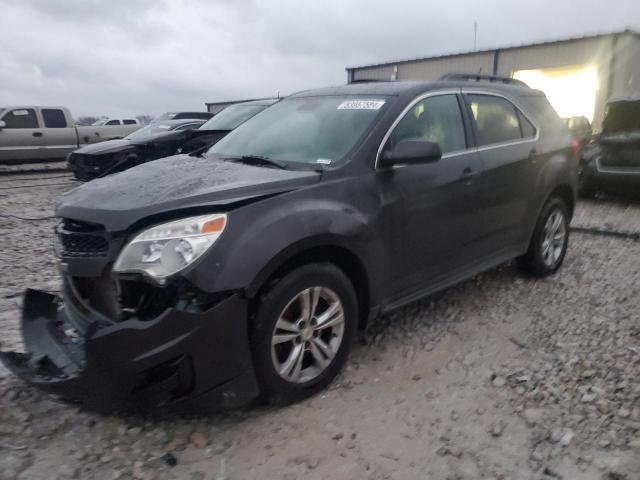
257	160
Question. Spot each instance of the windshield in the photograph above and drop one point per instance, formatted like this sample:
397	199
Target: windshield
312	130
622	117
148	131
102	121
231	117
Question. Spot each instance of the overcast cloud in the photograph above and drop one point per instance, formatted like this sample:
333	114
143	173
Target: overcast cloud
149	56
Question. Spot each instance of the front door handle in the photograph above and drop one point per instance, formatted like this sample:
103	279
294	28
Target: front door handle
468	174
37	134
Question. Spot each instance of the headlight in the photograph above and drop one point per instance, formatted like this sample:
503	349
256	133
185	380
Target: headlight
165	249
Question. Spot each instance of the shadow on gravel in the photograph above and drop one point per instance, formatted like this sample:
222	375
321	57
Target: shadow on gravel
421	325
618	198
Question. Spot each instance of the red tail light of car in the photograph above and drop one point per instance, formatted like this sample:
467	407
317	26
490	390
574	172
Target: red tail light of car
577	149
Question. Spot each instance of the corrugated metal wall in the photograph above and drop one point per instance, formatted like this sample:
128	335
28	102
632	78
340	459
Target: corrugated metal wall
430	69
373	73
587	51
626	67
552	55
597	51
435	68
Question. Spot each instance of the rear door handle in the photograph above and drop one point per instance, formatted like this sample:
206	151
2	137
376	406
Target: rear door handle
37	134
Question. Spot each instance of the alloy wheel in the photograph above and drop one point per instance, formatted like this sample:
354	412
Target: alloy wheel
307	334
555	232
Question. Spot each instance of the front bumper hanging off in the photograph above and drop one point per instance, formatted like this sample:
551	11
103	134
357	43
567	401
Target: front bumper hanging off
180	360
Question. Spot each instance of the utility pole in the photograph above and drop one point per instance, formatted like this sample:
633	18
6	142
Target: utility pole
475	35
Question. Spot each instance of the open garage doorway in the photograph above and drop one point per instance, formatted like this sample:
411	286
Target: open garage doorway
571	90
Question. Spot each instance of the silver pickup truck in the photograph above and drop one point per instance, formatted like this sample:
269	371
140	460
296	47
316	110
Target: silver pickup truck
45	133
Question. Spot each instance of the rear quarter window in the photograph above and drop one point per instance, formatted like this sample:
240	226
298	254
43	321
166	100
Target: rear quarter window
545	115
496	119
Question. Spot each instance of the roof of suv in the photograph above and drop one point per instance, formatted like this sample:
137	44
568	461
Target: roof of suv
399	88
262	101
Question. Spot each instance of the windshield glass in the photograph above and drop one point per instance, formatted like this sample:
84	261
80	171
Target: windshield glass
312	130
148	131
232	116
622	117
102	121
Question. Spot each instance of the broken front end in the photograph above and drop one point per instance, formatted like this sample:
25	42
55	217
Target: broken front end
118	341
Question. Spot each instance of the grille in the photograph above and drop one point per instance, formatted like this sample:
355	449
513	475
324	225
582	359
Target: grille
78	239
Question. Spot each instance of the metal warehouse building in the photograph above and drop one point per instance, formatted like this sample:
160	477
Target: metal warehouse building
578	75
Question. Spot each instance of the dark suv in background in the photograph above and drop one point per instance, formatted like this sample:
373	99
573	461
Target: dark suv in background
611	162
208	281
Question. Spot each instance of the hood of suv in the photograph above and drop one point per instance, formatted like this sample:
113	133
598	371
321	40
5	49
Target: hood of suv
175	183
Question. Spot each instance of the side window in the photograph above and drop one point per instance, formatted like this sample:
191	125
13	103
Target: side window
21	118
496	119
528	130
54	118
436	119
113	122
129	122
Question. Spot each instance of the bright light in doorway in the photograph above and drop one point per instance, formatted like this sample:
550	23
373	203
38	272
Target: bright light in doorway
571	90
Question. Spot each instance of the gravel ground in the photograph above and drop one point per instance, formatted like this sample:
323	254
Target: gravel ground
501	377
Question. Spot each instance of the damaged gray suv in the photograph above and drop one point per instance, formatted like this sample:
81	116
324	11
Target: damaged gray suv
199	282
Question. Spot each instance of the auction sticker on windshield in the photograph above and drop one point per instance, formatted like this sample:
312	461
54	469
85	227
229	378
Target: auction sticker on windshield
361	105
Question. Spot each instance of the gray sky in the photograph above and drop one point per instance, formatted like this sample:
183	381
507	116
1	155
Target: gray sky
150	56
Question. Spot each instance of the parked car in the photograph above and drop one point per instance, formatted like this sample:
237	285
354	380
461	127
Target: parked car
181	116
149	143
43	133
224	122
612	160
99	160
208	281
114	122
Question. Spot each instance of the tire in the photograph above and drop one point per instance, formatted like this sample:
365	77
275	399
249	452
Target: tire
283	306
541	260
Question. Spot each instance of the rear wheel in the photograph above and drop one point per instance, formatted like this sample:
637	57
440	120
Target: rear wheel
549	241
302	332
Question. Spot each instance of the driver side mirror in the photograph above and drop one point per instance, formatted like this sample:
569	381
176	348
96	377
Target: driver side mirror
2	124
411	151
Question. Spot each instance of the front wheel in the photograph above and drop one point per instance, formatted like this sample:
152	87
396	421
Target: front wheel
302	332
549	241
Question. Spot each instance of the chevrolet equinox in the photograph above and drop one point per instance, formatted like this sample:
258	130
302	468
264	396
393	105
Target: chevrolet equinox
246	272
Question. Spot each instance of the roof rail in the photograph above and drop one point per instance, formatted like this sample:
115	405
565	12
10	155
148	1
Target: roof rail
472	77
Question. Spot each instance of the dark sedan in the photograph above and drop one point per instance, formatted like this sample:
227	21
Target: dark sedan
161	140
149	143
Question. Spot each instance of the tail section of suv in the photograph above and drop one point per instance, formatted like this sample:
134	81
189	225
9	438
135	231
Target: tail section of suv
209	281
612	160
